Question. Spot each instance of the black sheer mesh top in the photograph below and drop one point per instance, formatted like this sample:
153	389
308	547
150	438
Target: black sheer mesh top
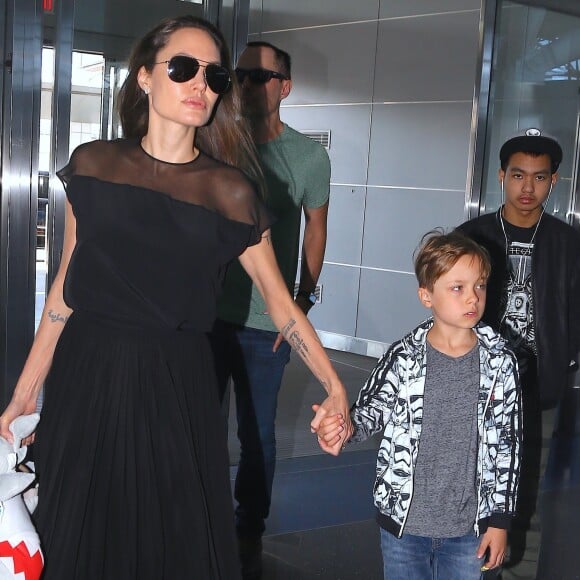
154	238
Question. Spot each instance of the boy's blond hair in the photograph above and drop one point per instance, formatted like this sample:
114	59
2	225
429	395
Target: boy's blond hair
439	252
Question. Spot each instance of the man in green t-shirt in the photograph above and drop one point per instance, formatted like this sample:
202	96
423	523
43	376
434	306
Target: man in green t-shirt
247	346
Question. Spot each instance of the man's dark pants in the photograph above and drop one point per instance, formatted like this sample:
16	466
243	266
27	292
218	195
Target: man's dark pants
245	355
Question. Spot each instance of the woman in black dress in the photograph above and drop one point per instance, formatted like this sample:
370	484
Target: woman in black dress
131	451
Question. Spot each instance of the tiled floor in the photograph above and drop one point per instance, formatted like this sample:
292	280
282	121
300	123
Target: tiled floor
347	552
321	524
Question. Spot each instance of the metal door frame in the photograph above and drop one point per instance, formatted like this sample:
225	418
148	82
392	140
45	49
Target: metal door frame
60	132
480	111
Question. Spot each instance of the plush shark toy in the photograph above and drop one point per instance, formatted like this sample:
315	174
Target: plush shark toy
20	554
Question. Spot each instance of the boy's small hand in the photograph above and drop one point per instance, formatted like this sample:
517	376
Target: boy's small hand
330	431
330	427
493	541
332	449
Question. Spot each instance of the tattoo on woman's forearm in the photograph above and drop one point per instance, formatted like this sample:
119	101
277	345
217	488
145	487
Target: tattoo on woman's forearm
286	329
298	344
294	339
56	317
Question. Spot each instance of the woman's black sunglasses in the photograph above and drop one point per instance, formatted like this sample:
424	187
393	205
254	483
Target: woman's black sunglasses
181	69
258	76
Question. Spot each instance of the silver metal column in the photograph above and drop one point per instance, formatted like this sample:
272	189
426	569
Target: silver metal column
480	111
241	27
211	11
21	84
233	19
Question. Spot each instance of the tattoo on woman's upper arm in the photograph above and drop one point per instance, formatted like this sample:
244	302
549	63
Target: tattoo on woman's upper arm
56	317
266	238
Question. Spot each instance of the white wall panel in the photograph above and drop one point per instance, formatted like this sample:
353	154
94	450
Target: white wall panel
441	67
398	169
396	220
422	145
388	306
282	14
323	70
338	309
402	8
345	224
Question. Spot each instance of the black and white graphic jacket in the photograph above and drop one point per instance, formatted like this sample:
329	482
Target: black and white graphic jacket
391	401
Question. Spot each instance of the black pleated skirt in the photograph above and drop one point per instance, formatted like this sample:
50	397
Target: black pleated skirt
132	458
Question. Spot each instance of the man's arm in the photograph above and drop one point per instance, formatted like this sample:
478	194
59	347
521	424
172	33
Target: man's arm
313	247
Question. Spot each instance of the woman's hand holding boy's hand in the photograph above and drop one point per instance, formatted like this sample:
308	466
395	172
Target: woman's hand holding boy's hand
335	404
494	542
331	430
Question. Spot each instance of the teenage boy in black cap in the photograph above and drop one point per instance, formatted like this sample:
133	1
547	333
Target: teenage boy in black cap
533	295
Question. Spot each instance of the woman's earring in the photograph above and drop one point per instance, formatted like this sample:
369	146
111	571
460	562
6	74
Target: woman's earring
146	90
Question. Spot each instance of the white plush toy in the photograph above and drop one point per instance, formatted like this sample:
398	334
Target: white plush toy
20	554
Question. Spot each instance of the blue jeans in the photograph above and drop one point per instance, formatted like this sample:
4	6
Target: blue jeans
421	558
245	355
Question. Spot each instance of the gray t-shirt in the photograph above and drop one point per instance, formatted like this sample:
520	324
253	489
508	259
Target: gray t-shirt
444	503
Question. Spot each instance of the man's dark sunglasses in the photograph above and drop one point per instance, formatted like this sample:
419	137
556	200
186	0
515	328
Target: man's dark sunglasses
258	76
181	69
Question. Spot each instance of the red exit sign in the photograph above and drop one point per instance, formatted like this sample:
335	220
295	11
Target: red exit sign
48	5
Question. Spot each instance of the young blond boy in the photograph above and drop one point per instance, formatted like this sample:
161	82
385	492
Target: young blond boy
446	398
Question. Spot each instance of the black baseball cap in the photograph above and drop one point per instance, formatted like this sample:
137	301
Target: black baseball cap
532	141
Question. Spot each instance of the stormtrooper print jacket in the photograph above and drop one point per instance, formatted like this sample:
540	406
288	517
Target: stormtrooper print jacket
391	401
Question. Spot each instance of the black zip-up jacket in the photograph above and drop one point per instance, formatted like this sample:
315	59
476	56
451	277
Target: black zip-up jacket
556	294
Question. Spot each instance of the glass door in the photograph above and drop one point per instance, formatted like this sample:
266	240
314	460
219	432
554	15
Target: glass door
86	105
535	82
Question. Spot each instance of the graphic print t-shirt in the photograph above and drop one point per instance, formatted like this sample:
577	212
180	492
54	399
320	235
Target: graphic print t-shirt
518	319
